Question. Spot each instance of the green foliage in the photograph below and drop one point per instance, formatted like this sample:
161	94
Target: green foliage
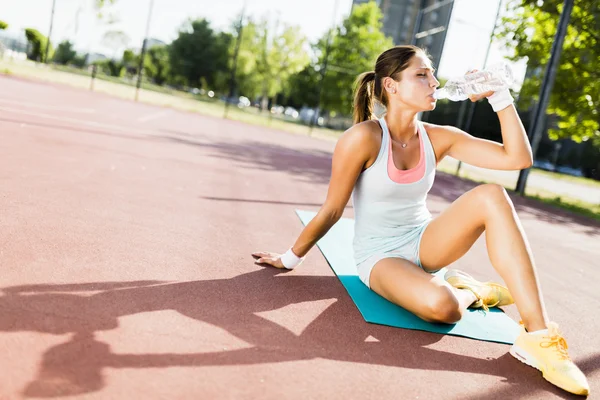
37	43
79	61
111	67
303	88
199	52
248	66
64	53
285	57
3	25
130	59
268	57
354	49
575	96
156	65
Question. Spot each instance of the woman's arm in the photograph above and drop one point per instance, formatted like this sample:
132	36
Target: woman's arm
513	153
352	151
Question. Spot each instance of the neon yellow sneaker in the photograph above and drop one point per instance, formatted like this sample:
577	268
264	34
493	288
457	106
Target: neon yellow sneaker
548	353
488	294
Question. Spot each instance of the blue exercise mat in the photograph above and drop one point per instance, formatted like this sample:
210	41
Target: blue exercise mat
336	246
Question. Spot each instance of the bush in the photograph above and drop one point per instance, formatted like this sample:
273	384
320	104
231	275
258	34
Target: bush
64	53
78	61
37	45
111	67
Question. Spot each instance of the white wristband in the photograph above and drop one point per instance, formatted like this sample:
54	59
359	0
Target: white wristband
290	260
500	100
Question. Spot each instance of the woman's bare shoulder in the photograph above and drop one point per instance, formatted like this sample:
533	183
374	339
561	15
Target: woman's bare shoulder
364	134
442	137
360	143
439	130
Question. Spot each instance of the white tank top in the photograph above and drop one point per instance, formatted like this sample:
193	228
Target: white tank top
386	211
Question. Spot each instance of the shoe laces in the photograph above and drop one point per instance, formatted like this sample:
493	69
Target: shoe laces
555	340
559	344
481	302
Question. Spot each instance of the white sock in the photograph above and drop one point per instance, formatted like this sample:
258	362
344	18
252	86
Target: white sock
540	332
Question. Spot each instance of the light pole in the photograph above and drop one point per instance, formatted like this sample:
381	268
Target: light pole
471	110
49	32
323	71
238	42
536	130
143	54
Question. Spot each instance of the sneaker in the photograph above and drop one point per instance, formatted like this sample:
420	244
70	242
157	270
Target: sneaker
548	353
488	294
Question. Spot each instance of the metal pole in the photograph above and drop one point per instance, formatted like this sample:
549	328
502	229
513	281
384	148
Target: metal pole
471	110
143	55
238	41
537	129
444	33
49	32
94	71
417	27
315	119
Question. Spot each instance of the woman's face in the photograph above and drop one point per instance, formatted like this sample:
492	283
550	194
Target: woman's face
415	87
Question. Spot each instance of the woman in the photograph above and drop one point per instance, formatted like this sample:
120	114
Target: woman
388	166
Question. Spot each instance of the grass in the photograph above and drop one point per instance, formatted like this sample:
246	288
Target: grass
156	95
577	206
568	178
167	97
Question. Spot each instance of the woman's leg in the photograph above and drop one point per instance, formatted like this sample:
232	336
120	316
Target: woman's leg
488	208
428	297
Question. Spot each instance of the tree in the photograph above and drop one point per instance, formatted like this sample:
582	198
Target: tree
37	45
157	65
130	62
111	67
79	61
253	42
199	52
354	50
287	56
303	87
575	98
268	57
64	53
3	25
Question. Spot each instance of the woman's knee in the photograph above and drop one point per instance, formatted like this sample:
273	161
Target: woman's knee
492	197
442	307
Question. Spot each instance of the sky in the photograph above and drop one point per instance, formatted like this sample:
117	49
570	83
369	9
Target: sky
466	41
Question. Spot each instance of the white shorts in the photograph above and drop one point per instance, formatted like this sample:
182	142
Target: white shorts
408	251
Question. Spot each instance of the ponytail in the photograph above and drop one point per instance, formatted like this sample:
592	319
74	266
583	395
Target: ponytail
363	97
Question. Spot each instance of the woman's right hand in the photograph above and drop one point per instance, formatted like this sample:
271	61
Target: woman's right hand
265	257
476	97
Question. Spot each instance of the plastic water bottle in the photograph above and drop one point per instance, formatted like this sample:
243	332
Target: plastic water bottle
494	78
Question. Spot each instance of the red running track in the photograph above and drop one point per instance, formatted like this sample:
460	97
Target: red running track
125	241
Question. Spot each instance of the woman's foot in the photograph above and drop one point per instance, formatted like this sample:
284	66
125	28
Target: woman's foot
488	294
547	351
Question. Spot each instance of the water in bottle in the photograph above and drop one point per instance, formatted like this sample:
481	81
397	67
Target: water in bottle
495	78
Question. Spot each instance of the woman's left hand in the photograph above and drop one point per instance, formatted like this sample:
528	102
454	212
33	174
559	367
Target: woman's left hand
266	257
477	97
